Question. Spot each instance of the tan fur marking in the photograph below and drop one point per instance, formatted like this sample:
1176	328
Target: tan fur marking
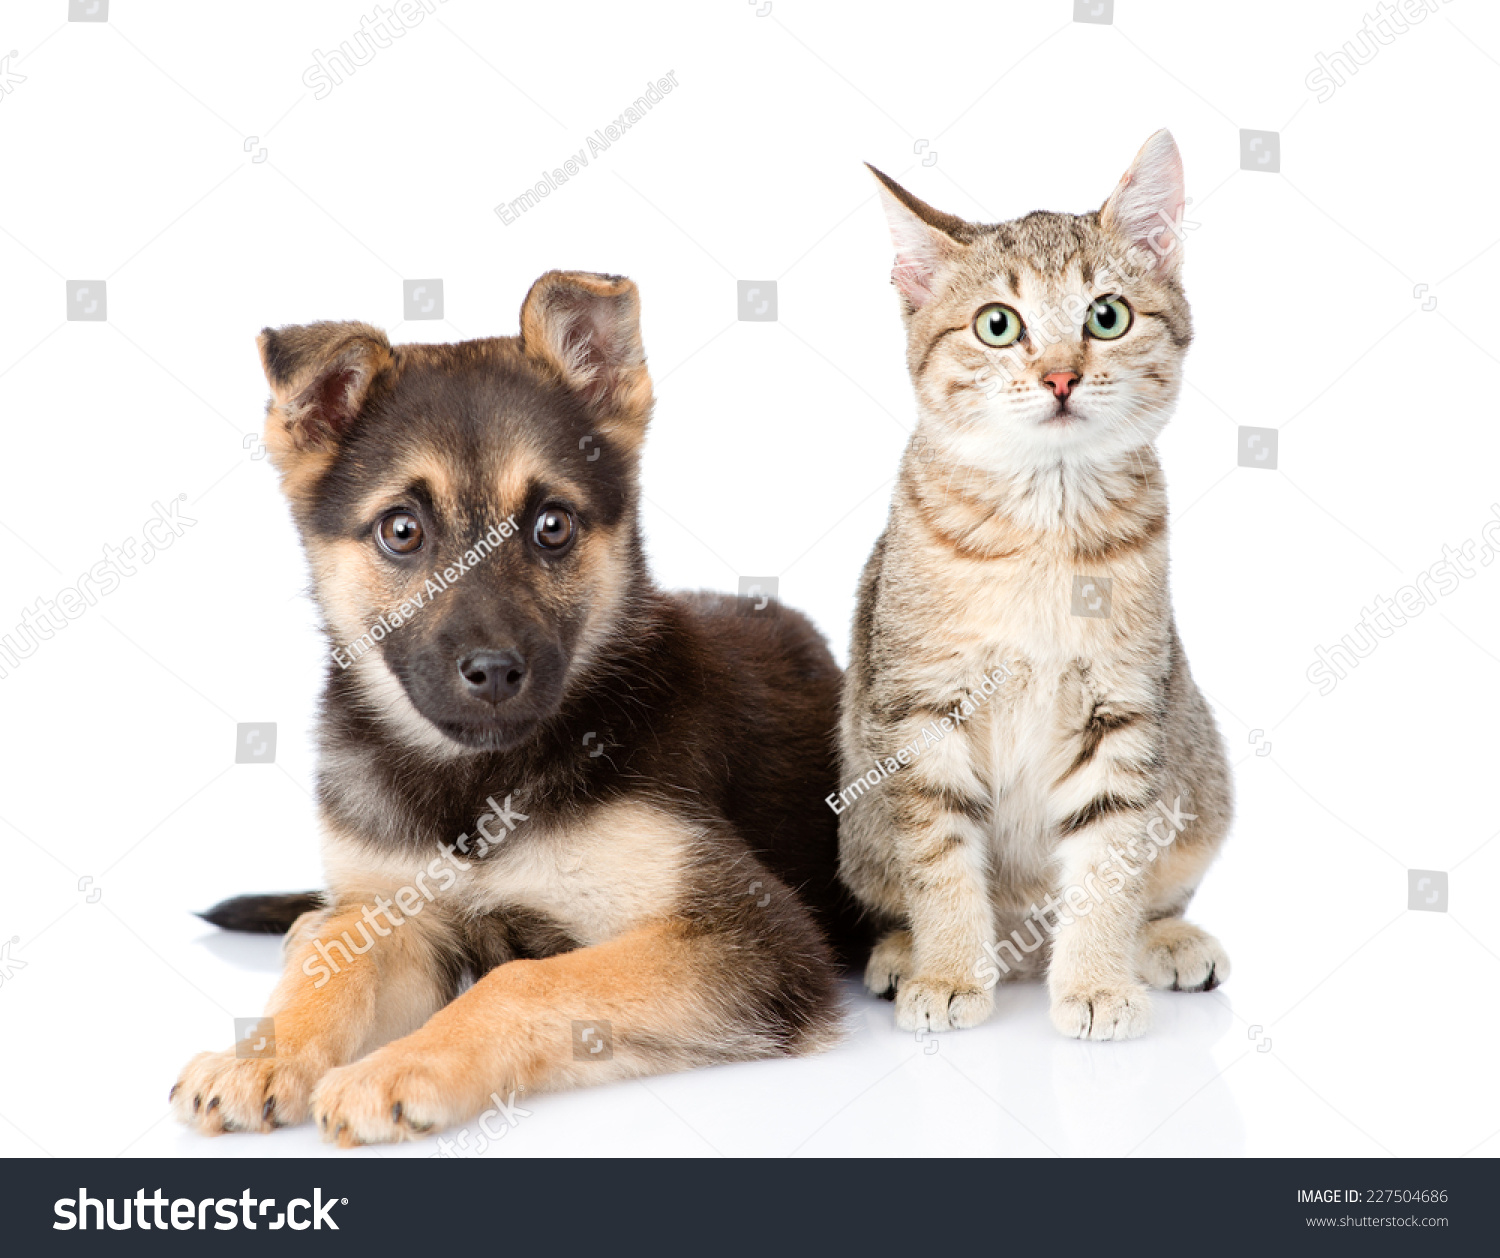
513	1033
384	992
435	473
623	866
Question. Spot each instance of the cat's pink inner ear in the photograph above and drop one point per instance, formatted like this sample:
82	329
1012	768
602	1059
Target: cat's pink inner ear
921	251
1145	211
917	256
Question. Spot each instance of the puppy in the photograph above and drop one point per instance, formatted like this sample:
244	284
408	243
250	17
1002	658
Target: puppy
572	825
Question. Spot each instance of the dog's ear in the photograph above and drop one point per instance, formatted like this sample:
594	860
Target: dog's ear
586	329
320	376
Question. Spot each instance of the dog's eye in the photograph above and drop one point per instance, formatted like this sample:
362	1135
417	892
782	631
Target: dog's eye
399	533
554	528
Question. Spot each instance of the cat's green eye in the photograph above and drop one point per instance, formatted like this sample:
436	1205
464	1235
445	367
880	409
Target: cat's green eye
1109	319
998	326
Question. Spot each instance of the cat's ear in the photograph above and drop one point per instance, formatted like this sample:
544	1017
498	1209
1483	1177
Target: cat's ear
926	240
1144	211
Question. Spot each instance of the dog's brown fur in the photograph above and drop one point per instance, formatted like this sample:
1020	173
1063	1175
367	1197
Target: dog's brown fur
668	868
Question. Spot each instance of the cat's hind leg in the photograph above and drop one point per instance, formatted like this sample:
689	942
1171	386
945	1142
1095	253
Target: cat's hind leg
890	962
1177	956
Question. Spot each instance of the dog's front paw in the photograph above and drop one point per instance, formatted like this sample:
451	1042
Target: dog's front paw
1103	1013
388	1096
935	1004
219	1092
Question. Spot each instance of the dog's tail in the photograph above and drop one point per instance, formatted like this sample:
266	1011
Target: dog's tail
262	914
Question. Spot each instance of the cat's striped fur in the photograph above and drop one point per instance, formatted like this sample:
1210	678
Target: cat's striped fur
1016	508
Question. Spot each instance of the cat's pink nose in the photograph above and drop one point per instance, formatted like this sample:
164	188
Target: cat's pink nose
1060	382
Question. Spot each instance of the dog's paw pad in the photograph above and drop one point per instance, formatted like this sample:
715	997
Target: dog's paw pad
927	1004
220	1092
1105	1013
379	1100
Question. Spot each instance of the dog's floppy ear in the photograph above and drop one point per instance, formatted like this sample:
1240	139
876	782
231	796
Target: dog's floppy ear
319	376
587	329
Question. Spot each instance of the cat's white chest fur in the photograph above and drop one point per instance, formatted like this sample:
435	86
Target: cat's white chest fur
1018	613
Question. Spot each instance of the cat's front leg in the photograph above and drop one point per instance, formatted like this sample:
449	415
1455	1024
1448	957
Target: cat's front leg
1097	915
941	814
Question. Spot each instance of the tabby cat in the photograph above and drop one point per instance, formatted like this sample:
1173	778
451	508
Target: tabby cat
1057	822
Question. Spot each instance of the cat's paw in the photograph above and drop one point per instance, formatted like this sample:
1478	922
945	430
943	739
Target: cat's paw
936	1004
219	1092
890	962
1102	1013
1178	956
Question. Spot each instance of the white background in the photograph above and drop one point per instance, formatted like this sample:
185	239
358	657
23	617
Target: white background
126	154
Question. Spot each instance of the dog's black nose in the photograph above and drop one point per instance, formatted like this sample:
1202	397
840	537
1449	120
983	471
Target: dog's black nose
493	676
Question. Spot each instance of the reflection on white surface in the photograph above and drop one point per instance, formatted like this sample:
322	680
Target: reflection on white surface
255	954
1012	1087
